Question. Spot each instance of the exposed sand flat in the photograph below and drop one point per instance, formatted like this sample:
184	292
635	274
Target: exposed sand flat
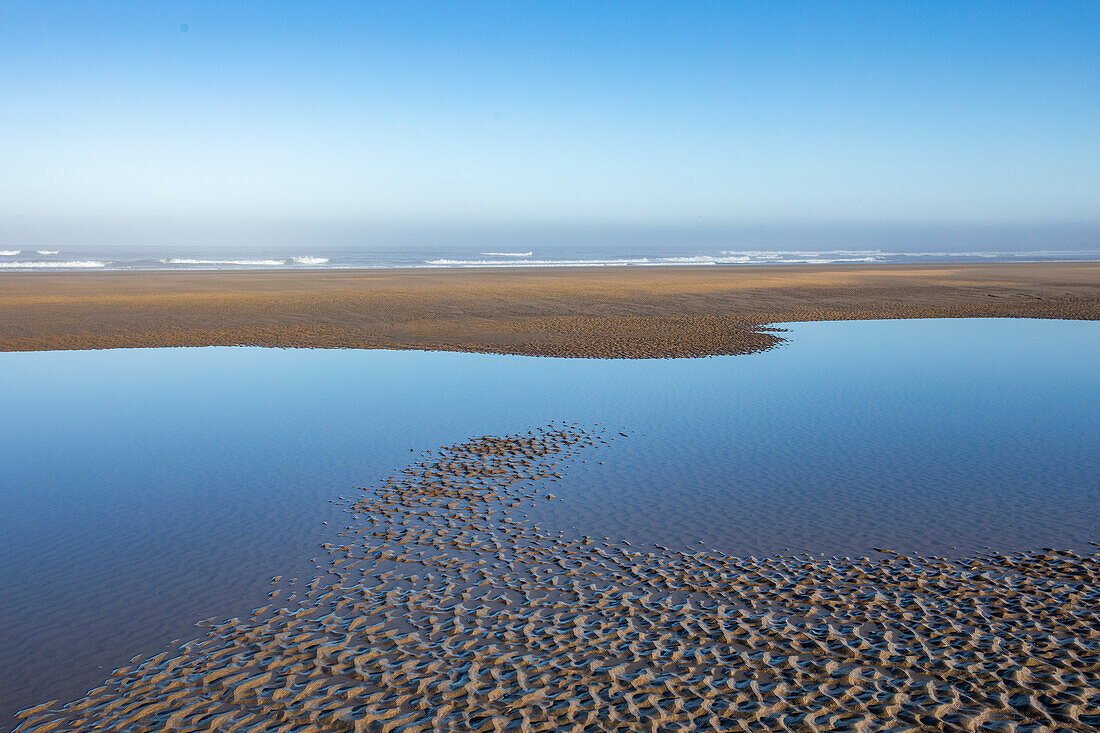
444	609
615	312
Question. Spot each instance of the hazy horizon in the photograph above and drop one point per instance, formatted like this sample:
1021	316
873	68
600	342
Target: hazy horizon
181	233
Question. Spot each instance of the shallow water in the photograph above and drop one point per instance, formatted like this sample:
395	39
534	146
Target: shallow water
143	490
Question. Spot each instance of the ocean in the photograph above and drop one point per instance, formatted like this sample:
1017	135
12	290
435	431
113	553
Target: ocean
281	257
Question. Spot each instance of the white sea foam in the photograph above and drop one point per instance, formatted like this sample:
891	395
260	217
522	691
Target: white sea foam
976	255
532	263
507	254
70	265
243	263
9	252
731	258
878	255
305	260
48	251
764	254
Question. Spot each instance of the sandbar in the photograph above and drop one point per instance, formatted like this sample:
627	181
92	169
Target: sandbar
632	312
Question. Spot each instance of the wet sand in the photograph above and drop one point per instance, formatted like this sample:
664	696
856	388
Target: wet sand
443	608
578	312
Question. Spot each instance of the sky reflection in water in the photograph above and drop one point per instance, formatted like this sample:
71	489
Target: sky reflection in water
143	490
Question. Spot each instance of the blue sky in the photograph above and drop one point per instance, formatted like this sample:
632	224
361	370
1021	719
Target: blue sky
555	114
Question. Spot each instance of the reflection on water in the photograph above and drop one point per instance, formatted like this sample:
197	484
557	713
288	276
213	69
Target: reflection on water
143	490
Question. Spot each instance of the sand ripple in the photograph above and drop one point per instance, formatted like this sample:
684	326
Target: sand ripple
444	609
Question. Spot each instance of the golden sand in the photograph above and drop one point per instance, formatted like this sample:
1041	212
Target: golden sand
583	312
443	609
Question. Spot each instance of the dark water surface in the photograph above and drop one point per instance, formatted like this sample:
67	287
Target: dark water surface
143	490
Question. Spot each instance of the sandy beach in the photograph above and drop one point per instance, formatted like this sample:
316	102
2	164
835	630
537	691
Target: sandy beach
578	312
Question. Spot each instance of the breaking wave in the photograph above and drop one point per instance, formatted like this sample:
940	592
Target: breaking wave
70	265
247	263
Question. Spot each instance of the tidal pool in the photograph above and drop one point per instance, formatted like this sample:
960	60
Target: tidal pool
143	490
